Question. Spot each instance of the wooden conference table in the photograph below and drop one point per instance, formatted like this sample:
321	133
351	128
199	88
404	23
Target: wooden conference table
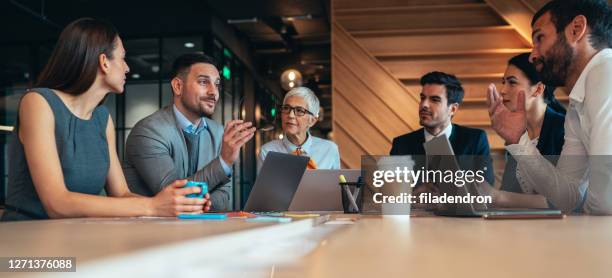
325	246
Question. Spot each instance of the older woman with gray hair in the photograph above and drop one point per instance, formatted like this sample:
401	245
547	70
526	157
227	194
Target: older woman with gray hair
299	112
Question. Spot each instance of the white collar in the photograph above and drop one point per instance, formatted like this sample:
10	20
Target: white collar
304	147
525	140
447	131
577	93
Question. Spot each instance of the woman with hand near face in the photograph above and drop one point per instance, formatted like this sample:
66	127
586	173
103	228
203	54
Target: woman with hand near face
299	112
62	151
544	121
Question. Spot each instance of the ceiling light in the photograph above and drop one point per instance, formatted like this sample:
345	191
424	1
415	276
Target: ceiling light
135	75
290	79
189	45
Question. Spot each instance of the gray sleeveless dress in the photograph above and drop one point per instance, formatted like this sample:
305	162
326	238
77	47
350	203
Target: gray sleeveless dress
83	154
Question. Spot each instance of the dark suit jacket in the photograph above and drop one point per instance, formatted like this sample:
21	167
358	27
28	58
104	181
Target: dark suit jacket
550	145
471	143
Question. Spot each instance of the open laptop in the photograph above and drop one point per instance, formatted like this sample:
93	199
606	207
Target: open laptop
440	156
277	182
319	190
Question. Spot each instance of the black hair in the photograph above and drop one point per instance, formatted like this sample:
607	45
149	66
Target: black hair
597	12
521	61
454	91
183	63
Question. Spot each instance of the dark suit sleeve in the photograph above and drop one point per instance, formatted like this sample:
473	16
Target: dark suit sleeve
394	147
484	157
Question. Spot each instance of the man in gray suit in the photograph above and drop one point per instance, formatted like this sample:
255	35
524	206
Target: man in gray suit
180	141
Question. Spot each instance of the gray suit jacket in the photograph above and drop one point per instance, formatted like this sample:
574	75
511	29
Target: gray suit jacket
156	155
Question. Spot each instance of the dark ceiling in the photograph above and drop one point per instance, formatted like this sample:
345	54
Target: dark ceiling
285	34
282	33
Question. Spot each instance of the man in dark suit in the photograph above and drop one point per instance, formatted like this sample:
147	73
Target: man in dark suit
440	98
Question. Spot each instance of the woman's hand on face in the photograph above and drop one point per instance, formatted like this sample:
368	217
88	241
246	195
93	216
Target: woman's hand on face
510	125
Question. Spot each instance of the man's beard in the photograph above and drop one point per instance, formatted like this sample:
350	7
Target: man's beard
432	123
197	109
555	68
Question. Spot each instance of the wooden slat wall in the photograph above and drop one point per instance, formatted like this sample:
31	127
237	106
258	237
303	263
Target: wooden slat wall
479	65
468	40
405	17
352	4
381	48
517	14
474	87
370	106
349	89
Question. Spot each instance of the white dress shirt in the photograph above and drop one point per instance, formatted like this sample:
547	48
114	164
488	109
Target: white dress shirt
583	175
525	185
447	131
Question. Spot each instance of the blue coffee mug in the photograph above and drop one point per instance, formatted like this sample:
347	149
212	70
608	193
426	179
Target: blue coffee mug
202	185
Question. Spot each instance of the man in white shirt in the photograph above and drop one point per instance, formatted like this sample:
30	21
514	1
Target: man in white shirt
572	41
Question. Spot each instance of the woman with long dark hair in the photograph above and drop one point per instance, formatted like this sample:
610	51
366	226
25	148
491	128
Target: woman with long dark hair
544	128
62	151
545	117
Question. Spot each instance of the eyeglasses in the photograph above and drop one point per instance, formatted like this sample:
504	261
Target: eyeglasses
299	111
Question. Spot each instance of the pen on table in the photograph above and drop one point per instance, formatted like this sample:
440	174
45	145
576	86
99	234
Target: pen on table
266	128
